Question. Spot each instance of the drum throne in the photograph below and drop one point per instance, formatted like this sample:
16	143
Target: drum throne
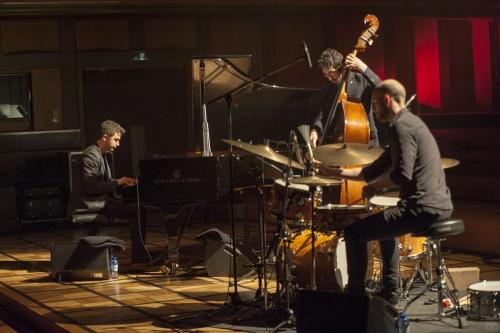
436	233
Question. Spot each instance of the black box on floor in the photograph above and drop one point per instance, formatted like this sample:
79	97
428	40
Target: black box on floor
77	261
324	312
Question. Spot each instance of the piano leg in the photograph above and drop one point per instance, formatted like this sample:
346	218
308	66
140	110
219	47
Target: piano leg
175	232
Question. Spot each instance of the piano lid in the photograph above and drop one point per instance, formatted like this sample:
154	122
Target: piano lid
222	75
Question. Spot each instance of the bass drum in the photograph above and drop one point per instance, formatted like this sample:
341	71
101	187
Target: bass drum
331	261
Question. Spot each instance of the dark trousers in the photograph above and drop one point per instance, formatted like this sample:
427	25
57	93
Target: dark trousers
384	226
137	227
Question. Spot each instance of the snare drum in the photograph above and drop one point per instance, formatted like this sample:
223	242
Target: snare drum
484	300
383	201
338	216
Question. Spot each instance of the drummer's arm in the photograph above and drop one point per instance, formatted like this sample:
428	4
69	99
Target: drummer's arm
380	185
334	172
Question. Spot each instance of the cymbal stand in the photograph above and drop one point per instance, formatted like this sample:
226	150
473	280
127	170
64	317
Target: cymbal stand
235	298
262	264
313	238
289	316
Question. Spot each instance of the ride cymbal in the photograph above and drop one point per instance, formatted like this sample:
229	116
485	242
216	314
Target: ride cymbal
345	154
263	151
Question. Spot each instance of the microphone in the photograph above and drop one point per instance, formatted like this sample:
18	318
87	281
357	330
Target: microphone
308	55
410	100
296	148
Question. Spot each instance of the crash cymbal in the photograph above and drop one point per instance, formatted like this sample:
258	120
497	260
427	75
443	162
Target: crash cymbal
449	162
345	154
263	151
316	181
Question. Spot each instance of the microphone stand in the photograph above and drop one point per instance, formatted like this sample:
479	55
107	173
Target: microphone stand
235	297
289	316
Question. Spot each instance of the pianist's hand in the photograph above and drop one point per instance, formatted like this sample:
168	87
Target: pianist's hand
126	181
313	138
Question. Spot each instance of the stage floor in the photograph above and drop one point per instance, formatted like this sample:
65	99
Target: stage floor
142	299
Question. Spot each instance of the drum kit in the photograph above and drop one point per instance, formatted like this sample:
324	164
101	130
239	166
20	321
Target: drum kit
309	249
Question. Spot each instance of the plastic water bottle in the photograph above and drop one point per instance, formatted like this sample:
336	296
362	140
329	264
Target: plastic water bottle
114	267
403	323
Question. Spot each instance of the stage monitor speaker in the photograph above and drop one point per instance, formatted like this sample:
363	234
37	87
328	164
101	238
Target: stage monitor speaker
321	312
77	261
219	255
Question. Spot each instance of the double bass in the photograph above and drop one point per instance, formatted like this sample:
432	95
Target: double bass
349	117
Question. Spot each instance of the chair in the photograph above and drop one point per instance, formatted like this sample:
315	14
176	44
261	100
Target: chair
436	233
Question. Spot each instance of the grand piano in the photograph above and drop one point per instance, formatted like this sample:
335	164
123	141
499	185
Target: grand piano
260	112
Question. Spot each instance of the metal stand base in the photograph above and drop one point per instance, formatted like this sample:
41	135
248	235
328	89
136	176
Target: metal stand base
446	297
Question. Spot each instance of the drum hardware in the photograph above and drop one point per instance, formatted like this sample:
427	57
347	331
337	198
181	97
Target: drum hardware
447	299
314	182
284	252
484	300
298	211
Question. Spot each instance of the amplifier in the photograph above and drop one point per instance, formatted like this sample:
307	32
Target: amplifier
75	261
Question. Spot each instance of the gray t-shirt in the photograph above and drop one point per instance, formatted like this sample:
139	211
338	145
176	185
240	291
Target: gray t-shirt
413	161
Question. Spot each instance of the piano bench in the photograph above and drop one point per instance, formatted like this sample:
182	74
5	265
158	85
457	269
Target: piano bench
92	218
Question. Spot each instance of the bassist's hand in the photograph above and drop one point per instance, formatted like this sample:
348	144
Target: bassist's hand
353	62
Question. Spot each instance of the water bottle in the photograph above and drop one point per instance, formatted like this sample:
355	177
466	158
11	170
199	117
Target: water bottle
114	267
403	323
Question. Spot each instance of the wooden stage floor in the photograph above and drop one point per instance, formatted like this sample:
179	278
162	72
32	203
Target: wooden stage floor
142	299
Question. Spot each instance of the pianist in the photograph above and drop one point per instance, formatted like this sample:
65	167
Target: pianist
93	192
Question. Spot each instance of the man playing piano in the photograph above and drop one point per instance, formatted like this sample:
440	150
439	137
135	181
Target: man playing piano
94	190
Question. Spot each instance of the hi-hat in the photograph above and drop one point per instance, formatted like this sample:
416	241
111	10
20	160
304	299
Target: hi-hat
316	181
449	162
345	154
263	151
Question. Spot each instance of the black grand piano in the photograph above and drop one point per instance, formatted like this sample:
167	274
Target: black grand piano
260	112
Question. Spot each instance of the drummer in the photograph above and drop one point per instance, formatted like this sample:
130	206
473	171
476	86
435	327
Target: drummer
413	163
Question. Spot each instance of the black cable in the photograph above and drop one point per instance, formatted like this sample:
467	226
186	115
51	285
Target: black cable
139	222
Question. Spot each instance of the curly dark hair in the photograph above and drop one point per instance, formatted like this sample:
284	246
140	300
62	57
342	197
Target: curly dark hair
330	58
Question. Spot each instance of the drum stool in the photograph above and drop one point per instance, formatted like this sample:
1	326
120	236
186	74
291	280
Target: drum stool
436	233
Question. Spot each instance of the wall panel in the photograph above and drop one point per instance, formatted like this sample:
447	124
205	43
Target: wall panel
169	32
102	34
47	99
29	35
